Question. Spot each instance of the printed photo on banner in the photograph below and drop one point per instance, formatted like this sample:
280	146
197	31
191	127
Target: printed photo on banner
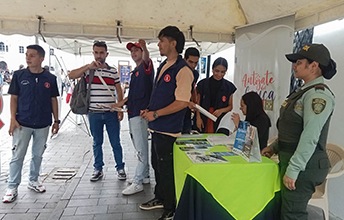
124	72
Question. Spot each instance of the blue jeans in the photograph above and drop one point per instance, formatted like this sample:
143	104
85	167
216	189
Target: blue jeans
97	122
21	139
139	135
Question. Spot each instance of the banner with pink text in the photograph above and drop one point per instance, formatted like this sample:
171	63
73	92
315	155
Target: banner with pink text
261	66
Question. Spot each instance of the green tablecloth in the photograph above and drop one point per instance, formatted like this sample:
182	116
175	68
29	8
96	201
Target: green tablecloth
242	188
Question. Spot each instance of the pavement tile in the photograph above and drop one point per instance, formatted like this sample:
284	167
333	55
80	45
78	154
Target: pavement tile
25	216
117	216
29	205
123	208
69	211
112	201
86	210
15	210
79	217
86	192
44	210
139	215
43	216
82	202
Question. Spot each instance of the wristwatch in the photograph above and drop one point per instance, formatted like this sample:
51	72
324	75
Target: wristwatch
155	115
57	121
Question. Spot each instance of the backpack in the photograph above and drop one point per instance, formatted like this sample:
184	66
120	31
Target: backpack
81	95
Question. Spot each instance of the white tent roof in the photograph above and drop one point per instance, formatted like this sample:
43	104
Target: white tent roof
70	24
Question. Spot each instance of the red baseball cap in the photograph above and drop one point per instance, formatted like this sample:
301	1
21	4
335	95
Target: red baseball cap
130	45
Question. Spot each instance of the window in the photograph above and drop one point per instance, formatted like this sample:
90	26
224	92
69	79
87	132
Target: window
6	48
21	49
51	51
2	46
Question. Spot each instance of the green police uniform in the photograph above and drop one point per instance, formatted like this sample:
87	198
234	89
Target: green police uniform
301	145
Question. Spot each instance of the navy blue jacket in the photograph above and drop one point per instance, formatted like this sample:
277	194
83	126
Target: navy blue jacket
222	98
163	95
140	89
34	93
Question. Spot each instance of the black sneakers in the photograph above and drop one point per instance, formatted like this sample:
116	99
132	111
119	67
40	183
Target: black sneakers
96	175
167	215
152	204
121	174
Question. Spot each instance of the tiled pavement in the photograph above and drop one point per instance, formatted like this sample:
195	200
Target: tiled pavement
78	198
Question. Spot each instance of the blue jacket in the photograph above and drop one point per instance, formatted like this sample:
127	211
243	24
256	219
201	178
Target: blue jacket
34	93
140	90
163	95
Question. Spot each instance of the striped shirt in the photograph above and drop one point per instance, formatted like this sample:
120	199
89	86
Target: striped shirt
99	93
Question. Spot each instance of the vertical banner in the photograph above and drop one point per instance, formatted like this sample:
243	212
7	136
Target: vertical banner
261	66
124	71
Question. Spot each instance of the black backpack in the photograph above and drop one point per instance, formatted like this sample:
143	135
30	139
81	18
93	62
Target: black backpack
80	100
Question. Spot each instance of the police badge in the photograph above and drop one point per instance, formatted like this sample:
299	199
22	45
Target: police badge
318	105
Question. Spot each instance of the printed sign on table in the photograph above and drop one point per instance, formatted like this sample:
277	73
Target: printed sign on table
246	142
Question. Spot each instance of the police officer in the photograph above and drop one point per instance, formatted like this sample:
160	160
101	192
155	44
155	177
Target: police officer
302	130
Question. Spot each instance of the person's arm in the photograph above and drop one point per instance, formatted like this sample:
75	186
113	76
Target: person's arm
119	104
54	104
171	108
119	99
145	52
13	109
199	121
77	73
229	108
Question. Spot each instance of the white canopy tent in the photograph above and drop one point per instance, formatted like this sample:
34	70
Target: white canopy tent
72	25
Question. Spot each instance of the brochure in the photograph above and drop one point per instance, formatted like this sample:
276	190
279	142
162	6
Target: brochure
221	140
191	141
247	143
202	157
224	154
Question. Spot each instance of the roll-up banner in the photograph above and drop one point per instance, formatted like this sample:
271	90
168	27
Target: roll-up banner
261	66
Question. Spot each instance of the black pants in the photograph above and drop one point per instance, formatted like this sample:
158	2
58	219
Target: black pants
162	162
294	202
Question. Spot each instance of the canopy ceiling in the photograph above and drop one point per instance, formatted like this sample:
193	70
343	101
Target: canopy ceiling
72	24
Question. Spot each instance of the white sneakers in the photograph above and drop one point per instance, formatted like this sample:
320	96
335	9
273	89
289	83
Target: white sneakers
10	195
36	186
132	189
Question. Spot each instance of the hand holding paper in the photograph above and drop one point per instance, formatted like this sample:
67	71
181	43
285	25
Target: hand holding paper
205	112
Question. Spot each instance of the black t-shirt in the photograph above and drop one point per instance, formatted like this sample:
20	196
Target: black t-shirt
214	86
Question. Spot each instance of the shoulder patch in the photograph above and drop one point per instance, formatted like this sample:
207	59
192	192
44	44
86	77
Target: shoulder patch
321	87
318	105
